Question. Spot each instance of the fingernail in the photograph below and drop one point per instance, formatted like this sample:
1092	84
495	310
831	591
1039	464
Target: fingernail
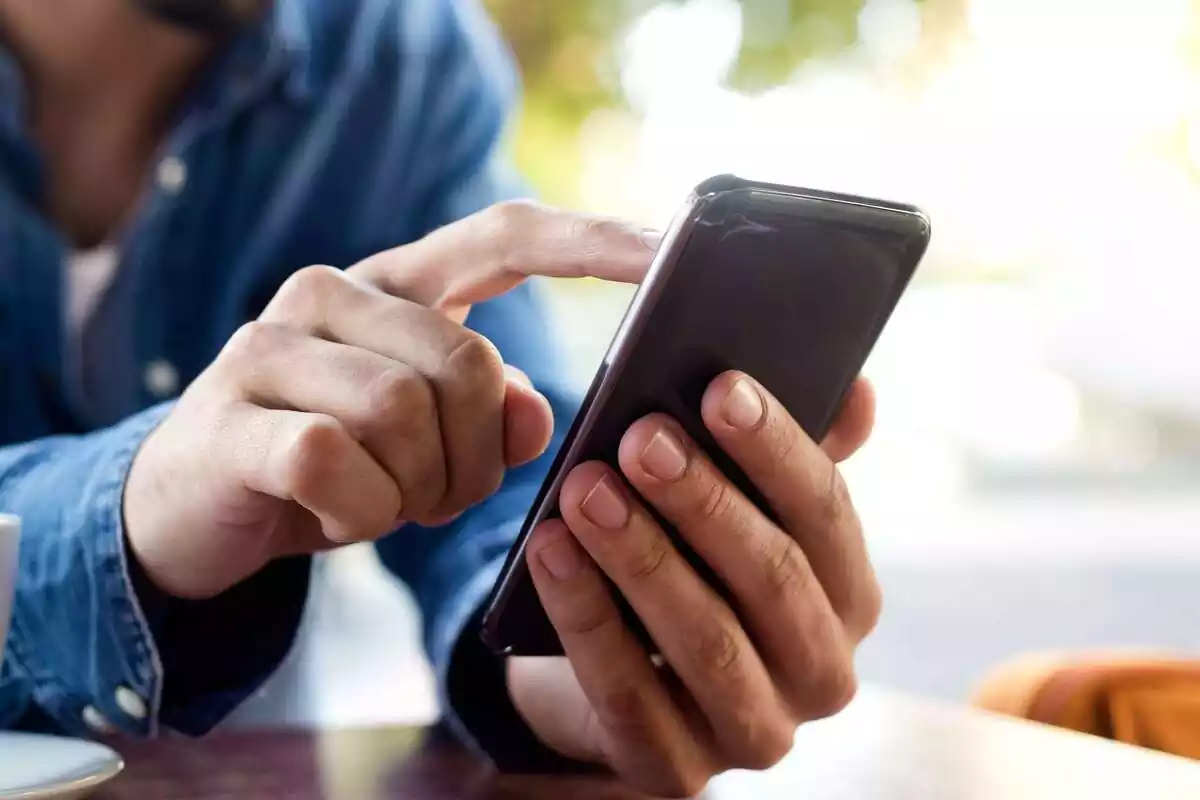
743	406
652	238
604	506
518	375
664	457
561	559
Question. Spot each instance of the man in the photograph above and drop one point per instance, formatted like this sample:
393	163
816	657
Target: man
167	167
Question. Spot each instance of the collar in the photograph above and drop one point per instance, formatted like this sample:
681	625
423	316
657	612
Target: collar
278	48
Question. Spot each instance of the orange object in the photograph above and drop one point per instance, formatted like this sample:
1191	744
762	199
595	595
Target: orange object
1150	701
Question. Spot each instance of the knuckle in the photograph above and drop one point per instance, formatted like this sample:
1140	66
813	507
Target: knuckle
593	620
316	278
398	423
679	782
252	341
398	399
316	448
783	438
506	224
509	214
835	506
649	560
716	501
786	571
586	228
718	650
478	363
305	287
769	745
472	382
624	713
831	689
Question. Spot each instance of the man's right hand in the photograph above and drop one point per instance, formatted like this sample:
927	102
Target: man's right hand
356	402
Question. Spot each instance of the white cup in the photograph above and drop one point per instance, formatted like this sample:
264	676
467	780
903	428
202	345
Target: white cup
10	534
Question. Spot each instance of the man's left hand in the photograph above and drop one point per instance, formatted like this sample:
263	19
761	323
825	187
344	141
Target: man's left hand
736	677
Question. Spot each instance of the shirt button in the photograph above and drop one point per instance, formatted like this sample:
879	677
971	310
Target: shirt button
129	702
96	721
161	378
171	175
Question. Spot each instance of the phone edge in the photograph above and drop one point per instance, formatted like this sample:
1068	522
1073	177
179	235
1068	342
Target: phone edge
664	262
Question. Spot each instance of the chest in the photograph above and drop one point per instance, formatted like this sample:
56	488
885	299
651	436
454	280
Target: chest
209	231
94	158
91	189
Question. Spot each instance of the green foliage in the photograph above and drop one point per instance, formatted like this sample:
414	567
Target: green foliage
568	51
778	35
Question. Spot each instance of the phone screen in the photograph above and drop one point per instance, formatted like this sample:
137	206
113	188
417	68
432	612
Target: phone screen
789	288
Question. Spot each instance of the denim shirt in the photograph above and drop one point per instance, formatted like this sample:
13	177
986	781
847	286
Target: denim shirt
334	130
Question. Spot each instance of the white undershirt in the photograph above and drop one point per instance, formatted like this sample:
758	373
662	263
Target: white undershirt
89	274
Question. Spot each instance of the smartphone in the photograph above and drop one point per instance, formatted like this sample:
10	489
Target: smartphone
790	285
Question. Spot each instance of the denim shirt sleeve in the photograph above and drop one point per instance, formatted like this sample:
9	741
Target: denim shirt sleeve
88	624
78	638
91	640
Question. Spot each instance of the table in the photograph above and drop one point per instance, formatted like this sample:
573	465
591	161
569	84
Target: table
883	746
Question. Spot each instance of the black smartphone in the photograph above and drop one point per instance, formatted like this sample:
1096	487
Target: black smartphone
790	285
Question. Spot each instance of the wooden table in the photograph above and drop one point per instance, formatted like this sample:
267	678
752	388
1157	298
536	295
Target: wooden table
882	746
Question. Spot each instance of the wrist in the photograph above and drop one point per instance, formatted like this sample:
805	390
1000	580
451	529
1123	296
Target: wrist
141	503
174	525
478	686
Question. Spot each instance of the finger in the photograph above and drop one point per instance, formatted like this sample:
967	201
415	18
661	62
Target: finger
696	632
471	392
803	486
528	421
517	375
773	587
310	459
852	426
546	692
641	731
465	369
333	304
489	253
384	404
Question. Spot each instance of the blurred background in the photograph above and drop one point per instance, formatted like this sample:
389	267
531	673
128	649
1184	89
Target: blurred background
1033	480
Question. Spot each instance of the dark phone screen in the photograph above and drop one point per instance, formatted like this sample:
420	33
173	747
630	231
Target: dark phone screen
790	289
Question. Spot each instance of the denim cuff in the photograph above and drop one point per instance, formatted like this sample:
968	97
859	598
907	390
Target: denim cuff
96	646
79	635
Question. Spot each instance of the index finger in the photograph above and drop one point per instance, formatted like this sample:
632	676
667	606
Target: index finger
491	252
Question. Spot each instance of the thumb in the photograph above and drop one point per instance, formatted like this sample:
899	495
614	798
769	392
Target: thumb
548	697
528	420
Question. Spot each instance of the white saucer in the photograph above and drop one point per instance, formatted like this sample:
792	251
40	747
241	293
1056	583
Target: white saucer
36	767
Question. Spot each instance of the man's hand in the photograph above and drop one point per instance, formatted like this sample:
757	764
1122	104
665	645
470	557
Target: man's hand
737	677
356	402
